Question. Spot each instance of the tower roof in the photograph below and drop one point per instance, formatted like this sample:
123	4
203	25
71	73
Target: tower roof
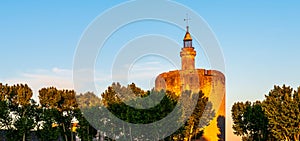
187	36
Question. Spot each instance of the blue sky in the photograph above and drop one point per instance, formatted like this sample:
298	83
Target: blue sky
259	40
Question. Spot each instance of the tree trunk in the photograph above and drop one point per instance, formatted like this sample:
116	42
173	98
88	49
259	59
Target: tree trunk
24	137
88	133
72	135
130	133
64	128
296	137
124	131
24	134
99	135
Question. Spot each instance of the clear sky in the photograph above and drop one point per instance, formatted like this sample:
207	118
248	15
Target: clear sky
259	40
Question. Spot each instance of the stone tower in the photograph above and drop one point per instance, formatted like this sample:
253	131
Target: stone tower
210	82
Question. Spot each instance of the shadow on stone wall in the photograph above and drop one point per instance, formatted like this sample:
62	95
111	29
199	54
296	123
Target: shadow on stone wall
221	126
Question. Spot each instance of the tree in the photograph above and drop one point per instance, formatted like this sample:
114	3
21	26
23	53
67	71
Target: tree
282	107
250	121
88	99
25	120
202	114
115	99
18	115
24	109
85	130
63	100
65	103
4	91
6	120
110	97
117	93
48	130
49	97
17	95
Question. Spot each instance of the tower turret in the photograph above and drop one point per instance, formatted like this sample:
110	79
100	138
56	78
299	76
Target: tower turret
187	53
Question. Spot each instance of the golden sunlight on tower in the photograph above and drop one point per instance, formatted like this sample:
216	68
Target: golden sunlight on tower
210	82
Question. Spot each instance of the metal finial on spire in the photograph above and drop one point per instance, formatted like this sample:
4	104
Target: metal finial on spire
187	22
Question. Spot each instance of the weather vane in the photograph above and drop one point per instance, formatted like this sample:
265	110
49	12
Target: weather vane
187	21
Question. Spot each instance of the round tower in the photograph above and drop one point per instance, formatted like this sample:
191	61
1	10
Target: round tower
187	53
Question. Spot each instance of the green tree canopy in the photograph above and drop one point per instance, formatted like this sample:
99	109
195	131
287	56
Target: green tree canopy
250	121
277	117
64	102
17	110
199	117
88	99
282	107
